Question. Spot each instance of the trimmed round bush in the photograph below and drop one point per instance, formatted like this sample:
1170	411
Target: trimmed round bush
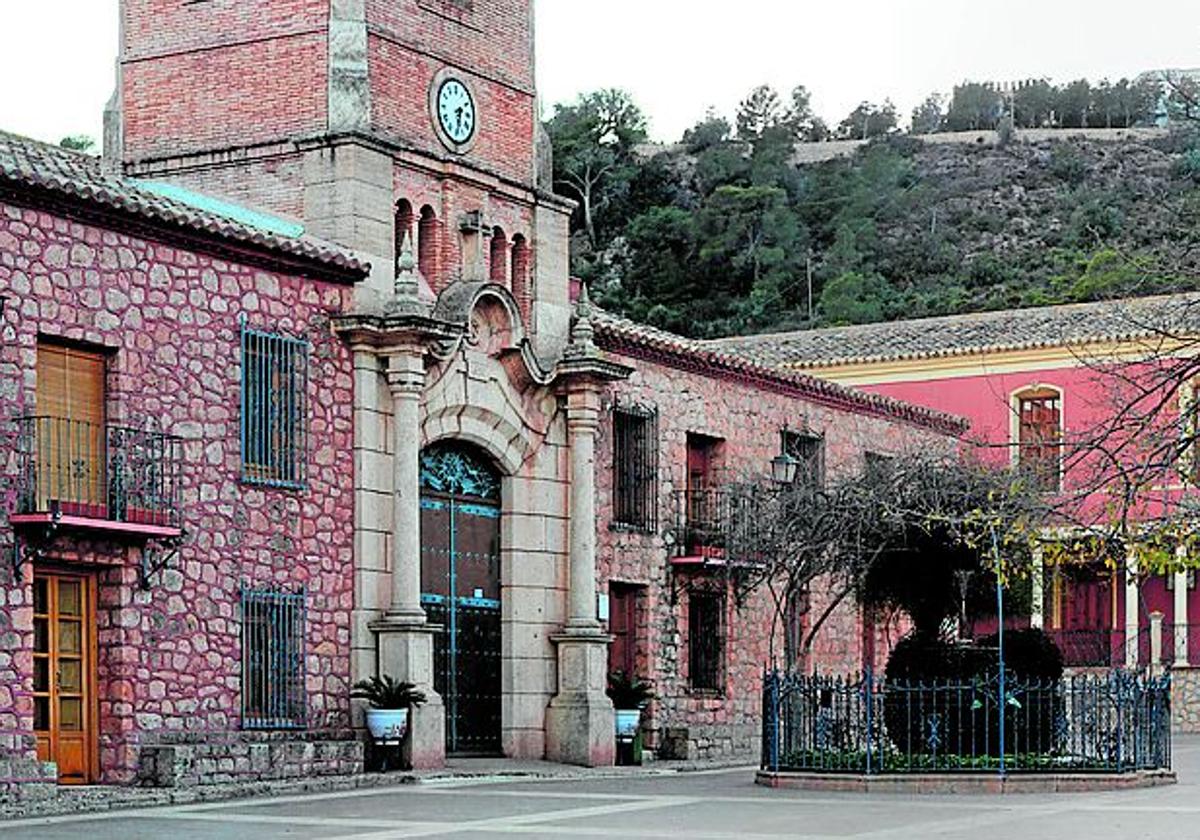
943	698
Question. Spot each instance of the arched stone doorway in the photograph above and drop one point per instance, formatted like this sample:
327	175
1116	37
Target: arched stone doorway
460	590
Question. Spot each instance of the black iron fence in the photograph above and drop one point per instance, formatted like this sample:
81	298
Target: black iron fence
97	471
1116	722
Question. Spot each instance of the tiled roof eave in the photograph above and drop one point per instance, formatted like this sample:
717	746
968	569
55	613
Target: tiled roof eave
960	352
1065	326
64	194
675	351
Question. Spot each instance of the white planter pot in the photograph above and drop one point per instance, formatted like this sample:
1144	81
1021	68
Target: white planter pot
387	724
628	721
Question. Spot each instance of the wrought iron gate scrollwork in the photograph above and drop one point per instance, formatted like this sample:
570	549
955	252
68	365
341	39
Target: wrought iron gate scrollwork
460	551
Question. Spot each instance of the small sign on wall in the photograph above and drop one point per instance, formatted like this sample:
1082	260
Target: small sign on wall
602	606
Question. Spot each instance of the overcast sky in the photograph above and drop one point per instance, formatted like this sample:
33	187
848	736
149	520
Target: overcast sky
680	56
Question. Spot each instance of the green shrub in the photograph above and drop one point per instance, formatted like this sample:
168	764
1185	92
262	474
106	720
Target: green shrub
1188	166
942	697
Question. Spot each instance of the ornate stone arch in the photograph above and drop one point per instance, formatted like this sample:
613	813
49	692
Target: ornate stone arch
483	304
498	436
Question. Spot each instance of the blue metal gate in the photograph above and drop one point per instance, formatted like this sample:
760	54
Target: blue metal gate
460	591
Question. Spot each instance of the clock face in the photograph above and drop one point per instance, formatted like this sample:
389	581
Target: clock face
456	111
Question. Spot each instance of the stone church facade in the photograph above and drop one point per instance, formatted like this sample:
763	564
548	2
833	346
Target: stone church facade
414	452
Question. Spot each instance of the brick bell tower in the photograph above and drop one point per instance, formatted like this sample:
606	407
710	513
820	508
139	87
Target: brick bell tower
406	130
368	121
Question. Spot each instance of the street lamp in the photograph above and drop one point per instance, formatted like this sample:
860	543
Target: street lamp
783	468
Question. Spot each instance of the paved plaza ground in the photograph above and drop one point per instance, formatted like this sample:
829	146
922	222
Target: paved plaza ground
710	805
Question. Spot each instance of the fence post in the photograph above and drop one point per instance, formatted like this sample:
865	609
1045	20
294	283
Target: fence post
771	719
869	699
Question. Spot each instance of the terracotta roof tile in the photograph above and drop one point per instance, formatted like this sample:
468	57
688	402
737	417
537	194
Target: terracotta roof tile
33	166
621	335
954	335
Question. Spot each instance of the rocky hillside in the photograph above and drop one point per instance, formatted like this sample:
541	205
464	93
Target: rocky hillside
721	235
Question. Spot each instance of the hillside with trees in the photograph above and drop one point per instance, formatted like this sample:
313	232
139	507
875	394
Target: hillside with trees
723	232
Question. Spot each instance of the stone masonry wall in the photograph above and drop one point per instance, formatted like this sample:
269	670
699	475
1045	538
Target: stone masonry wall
748	419
1185	699
169	658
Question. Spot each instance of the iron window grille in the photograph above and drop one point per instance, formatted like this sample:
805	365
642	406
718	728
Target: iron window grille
809	451
273	692
274	409
877	466
635	468
706	641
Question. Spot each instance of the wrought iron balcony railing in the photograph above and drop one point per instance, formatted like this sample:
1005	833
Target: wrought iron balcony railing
97	475
721	524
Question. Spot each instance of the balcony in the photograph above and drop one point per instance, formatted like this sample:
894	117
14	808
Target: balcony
104	478
719	526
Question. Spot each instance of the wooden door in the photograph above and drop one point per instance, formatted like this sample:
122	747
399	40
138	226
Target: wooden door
703	504
460	591
1087	617
70	430
622	626
64	695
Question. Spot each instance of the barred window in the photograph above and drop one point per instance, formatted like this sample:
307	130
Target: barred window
809	451
1040	439
877	465
274	411
706	641
635	468
273	694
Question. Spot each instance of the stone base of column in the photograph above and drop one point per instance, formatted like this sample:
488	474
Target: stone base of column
406	654
580	722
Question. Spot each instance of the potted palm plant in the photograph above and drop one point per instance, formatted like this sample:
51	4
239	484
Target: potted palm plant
629	695
390	703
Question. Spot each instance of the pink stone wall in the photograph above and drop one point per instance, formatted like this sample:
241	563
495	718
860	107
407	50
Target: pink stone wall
749	420
169	661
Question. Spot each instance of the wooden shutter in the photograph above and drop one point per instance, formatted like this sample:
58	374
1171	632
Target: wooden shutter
69	430
70	384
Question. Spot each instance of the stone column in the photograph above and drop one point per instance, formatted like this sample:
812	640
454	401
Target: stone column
1131	611
1180	617
405	638
583	421
1037	575
406	381
580	719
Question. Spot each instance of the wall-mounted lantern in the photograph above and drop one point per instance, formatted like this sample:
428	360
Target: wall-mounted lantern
784	466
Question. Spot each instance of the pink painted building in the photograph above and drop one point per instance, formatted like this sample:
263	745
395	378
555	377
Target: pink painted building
1039	386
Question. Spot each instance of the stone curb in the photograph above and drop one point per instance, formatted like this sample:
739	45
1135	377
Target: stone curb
65	801
966	784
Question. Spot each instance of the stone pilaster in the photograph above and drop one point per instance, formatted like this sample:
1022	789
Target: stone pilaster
405	637
580	719
1037	574
1156	642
